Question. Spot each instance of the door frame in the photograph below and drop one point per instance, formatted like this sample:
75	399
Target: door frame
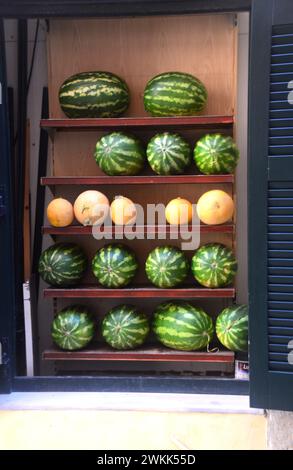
257	142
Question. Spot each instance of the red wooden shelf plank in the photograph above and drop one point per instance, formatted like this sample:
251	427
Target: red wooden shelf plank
138	292
146	229
145	354
110	180
183	122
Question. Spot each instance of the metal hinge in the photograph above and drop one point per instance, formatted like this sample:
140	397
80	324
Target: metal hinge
2	201
4	357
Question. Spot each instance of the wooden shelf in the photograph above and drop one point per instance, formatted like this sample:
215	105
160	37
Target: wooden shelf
83	292
145	229
184	122
153	179
146	353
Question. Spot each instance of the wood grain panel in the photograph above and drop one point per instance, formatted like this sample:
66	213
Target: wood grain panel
139	48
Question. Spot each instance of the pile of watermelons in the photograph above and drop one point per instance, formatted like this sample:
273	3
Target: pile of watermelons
177	325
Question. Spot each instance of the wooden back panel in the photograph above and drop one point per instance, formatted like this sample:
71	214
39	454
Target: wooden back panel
139	48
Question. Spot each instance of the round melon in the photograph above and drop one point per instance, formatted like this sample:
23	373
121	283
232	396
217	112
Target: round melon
168	154
60	212
174	94
214	265
179	211
73	328
94	95
114	265
62	264
124	327
215	207
123	211
232	327
91	207
120	154
166	266
216	154
179	325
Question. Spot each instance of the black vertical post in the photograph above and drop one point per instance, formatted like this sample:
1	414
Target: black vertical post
20	175
7	266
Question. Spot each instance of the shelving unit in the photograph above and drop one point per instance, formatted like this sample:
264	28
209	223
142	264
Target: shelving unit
140	229
166	123
153	179
73	166
92	291
151	353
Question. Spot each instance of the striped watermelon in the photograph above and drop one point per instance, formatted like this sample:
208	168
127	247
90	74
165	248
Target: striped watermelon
114	265
120	154
73	328
216	154
232	327
168	154
174	94
214	265
166	266
62	264
94	95
124	327
179	325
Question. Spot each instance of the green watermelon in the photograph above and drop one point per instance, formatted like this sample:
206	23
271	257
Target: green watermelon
166	266
214	265
73	328
94	95
124	327
114	265
179	325
174	94
120	154
62	264
232	327
168	154
216	154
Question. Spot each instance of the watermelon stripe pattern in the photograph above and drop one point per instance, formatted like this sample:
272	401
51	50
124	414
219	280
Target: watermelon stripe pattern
94	95
125	328
179	325
232	327
114	265
168	154
216	154
73	328
214	265
120	154
62	264
166	266
174	94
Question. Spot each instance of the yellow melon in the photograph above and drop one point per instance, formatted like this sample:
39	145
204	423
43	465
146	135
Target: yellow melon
91	207
179	211
215	207
123	211
60	212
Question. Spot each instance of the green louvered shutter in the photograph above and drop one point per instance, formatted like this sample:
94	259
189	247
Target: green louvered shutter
271	220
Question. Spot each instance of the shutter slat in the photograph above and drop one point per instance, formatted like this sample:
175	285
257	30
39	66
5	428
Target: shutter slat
281	322
281	263
281	367
281	141
281	131
281	313
279	348
281	357
282	340
282	49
